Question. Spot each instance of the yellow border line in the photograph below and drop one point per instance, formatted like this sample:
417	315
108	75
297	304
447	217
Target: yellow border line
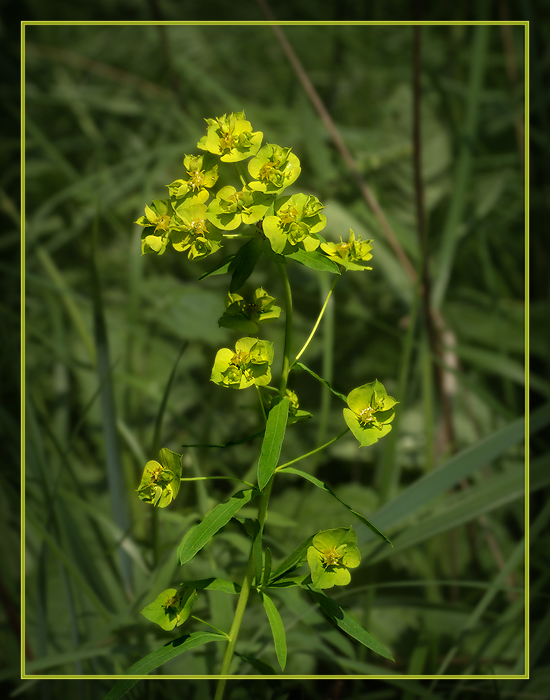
526	497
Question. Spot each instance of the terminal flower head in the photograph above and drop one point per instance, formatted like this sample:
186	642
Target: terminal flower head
248	364
331	554
231	137
370	412
351	254
273	169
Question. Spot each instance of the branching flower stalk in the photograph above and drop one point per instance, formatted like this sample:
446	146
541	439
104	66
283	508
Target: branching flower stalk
283	230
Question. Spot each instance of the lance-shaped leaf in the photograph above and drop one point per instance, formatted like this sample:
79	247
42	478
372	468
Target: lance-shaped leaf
314	260
321	485
348	623
161	656
277	628
244	262
273	440
213	521
292	561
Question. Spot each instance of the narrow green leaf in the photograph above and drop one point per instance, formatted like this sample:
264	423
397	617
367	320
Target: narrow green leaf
273	440
291	581
264	668
159	657
214	584
322	485
213	521
314	260
348	624
320	379
293	560
221	268
244	262
277	628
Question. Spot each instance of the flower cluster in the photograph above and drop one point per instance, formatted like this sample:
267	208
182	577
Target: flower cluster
160	482
244	316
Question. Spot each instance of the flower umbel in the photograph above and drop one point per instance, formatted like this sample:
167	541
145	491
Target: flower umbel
370	412
332	553
190	230
274	168
248	364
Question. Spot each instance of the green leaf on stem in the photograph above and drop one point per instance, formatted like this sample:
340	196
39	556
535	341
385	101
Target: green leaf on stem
320	379
315	260
277	628
322	485
348	623
214	584
271	446
221	268
244	262
161	656
198	536
292	561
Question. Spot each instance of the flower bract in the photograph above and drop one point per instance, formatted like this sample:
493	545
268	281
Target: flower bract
161	481
295	223
331	554
231	137
248	364
351	254
273	169
370	412
171	608
244	316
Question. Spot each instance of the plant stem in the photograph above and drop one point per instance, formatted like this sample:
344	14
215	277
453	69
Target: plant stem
318	320
262	507
288	328
243	596
317	449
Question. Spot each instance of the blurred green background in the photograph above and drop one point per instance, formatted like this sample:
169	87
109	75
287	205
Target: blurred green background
109	113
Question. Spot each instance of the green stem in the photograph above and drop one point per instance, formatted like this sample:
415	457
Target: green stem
262	507
318	321
206	478
288	328
243	596
317	449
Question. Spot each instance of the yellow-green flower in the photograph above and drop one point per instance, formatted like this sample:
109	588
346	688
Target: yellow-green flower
351	255
273	169
248	364
171	608
331	554
295	222
160	482
190	230
370	412
231	137
202	174
156	223
231	208
244	316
